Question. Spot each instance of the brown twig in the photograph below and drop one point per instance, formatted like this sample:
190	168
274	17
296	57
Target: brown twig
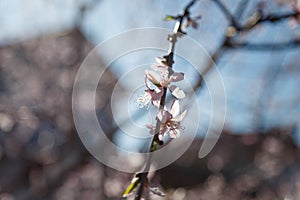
295	43
227	14
228	42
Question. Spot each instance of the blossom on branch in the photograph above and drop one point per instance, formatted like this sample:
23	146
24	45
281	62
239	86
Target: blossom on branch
166	74
164	77
157	80
170	121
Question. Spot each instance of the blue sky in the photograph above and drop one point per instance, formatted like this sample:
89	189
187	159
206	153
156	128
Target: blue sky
261	86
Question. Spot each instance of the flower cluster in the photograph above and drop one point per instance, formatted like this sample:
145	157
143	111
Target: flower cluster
157	81
170	121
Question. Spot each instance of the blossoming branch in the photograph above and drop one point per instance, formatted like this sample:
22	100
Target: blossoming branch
158	81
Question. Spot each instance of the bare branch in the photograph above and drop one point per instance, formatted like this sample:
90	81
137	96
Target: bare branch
295	43
228	15
188	6
273	18
259	18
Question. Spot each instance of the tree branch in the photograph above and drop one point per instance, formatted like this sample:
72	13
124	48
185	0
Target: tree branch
264	46
273	18
253	21
227	14
170	60
229	43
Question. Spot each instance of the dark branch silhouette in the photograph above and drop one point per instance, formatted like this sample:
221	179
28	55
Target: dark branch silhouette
227	14
272	18
295	43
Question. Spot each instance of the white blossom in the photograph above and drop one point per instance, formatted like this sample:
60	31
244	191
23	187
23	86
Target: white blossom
170	121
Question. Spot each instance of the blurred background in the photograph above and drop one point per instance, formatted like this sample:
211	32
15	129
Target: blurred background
255	45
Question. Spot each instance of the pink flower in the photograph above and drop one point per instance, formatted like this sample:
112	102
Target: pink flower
163	80
164	77
170	121
156	81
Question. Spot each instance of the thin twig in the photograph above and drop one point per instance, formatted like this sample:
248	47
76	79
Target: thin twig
227	14
170	60
273	18
241	7
295	43
229	42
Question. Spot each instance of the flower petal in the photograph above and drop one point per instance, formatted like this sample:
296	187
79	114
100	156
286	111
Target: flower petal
175	77
174	133
156	103
155	94
152	76
180	117
159	67
177	92
146	82
175	108
150	126
163	116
